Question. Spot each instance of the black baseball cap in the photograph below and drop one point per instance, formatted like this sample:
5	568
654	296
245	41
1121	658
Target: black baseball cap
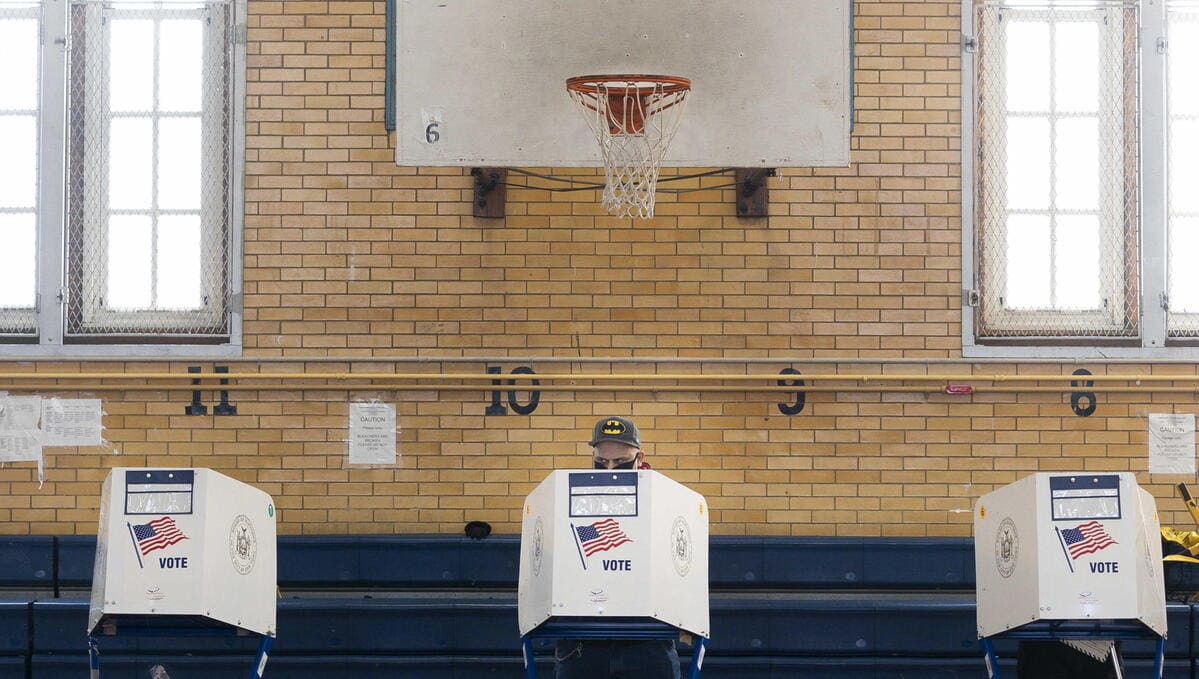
616	429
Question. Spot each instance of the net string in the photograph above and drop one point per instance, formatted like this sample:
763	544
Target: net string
633	140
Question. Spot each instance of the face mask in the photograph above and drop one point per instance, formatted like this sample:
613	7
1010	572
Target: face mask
627	465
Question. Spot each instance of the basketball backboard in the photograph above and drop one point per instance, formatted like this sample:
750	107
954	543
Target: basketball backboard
483	82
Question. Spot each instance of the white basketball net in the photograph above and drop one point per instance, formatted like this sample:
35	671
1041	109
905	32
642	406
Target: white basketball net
633	121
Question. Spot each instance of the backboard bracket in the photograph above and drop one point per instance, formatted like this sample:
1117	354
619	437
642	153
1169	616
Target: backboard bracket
753	195
490	191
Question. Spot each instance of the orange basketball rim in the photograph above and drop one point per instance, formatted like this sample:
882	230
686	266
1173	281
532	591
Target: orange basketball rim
627	100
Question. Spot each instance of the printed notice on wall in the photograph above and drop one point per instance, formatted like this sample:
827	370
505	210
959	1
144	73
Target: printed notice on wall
372	433
71	422
20	436
1171	444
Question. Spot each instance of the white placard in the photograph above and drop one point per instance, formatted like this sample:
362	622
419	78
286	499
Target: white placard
20	437
372	433
1171	444
71	422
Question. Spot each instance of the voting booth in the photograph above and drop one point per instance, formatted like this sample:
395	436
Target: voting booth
1069	556
611	552
181	550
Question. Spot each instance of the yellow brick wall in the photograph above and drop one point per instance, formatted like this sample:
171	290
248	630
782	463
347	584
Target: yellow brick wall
347	255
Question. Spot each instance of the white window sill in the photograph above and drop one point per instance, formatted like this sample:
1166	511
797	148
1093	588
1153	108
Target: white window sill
130	351
1073	352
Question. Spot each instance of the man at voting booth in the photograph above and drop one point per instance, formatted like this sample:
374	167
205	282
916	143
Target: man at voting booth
616	444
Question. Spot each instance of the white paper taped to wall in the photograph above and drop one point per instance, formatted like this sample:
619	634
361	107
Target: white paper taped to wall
20	435
71	422
1171	444
372	433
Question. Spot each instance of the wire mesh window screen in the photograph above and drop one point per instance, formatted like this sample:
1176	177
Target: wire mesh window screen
1182	59
149	161
1056	168
20	28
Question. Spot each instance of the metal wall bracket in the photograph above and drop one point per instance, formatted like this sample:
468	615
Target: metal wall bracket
490	194
752	194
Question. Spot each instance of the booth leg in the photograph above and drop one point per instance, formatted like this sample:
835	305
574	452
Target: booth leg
697	657
1159	658
990	659
264	650
93	654
526	646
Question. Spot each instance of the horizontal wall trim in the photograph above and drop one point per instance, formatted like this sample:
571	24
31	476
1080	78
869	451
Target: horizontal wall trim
9	355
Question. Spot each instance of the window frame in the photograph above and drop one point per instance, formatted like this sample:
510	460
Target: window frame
52	217
1151	254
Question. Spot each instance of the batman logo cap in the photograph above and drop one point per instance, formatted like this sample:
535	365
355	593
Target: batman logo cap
616	429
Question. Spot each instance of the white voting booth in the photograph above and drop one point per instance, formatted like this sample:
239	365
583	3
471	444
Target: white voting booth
1061	551
605	544
188	546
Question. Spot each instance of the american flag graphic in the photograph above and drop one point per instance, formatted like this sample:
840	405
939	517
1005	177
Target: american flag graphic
601	536
1087	538
157	534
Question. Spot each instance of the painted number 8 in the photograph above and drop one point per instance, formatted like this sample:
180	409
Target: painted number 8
431	133
1077	397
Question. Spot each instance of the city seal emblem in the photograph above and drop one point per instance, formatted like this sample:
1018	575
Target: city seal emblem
680	546
243	545
1007	547
538	546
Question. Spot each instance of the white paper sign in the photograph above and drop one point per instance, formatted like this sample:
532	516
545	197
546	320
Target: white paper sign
1171	444
372	433
20	437
71	422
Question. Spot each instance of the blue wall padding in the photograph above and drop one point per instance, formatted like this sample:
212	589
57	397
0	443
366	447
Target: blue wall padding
76	559
858	624
398	625
26	561
736	562
473	667
282	667
385	561
60	626
14	627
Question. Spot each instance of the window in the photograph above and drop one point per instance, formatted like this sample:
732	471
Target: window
1068	105
19	31
1182	297
139	213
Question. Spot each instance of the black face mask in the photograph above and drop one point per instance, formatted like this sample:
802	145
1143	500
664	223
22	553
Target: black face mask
627	465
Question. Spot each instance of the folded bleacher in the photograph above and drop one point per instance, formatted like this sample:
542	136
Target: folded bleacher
438	607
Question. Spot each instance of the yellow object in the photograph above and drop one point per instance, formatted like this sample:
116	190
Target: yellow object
1180	545
1191	504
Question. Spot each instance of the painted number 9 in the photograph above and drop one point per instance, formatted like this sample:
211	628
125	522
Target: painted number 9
431	133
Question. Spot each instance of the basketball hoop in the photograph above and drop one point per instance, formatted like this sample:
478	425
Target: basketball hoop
634	117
